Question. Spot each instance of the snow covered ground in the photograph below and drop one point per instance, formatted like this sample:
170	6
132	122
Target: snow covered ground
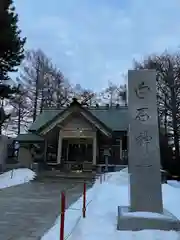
174	183
16	177
101	219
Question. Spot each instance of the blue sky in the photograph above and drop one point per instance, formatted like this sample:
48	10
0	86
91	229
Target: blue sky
93	41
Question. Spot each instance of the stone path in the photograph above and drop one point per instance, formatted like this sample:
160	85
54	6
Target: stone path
27	211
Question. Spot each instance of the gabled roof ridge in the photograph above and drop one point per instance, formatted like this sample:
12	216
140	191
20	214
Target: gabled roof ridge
53	109
106	108
89	108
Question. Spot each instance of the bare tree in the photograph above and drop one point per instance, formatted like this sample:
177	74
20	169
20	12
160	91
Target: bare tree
168	91
114	94
88	98
20	113
56	90
34	68
46	84
85	96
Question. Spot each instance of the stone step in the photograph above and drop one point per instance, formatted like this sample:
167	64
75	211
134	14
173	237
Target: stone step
63	175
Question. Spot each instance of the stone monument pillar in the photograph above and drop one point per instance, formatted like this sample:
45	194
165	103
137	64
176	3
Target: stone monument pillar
144	152
144	159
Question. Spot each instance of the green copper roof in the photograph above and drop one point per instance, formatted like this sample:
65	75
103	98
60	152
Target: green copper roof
29	137
114	118
44	118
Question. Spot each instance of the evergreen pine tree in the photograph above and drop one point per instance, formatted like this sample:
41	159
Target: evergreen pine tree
11	48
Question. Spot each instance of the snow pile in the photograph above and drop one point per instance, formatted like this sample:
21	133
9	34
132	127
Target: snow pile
72	216
16	177
101	220
174	183
171	199
118	178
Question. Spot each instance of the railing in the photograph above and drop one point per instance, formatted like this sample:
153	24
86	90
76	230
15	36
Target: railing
83	213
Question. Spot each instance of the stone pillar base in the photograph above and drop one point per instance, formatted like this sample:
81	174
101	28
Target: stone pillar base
136	223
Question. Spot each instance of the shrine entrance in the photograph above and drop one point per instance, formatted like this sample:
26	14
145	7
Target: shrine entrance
77	151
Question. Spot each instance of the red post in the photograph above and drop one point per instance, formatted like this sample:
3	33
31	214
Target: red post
63	206
84	200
